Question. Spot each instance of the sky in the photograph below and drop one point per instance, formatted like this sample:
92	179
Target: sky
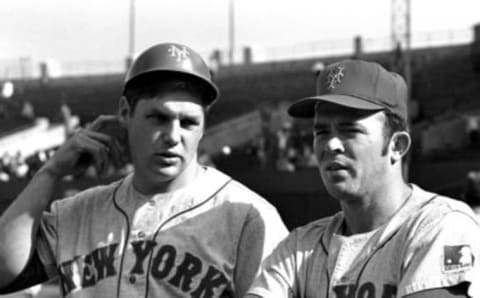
98	29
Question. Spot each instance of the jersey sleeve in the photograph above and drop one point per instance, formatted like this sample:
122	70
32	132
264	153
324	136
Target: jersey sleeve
262	232
442	253
47	240
278	272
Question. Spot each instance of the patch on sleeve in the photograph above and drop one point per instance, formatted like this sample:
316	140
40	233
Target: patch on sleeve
457	257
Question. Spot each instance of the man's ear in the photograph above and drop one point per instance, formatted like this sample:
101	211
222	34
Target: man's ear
399	145
123	109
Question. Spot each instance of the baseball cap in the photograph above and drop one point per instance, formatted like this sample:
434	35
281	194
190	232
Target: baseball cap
359	85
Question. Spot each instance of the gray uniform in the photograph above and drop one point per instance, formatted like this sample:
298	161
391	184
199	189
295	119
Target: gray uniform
205	240
432	242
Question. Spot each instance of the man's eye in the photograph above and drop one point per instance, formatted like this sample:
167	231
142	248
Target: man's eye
320	132
157	117
352	130
189	122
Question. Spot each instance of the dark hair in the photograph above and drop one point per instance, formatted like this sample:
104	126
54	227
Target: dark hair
393	124
150	84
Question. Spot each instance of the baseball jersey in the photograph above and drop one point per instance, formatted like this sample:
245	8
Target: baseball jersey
431	242
205	240
476	210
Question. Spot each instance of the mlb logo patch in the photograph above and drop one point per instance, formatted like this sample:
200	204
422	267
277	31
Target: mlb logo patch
457	257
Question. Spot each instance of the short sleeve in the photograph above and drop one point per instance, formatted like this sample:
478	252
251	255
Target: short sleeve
443	253
262	232
47	240
277	275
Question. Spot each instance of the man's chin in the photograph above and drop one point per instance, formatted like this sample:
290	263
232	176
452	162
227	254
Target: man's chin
338	176
338	189
163	172
166	173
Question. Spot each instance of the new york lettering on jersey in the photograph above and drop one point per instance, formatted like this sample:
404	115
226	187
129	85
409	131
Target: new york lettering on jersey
365	290
173	268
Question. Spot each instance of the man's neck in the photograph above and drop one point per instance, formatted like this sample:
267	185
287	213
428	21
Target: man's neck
184	179
370	212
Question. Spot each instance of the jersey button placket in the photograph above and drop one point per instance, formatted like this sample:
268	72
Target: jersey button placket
132	279
339	268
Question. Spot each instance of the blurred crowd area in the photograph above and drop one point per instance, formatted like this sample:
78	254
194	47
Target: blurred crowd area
18	167
286	148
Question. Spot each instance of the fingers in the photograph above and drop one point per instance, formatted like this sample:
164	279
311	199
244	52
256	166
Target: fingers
93	150
109	130
95	145
102	121
116	152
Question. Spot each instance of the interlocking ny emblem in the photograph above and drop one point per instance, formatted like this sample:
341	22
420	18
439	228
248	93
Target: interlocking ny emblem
335	77
179	54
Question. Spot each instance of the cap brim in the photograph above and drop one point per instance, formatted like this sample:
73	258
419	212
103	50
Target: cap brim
305	108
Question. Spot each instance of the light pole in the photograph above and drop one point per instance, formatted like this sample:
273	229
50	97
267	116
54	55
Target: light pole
231	33
131	31
401	46
401	37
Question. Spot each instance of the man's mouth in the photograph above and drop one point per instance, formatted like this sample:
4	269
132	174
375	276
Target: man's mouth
336	166
167	154
167	157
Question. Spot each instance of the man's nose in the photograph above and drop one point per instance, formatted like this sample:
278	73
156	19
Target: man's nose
171	133
334	145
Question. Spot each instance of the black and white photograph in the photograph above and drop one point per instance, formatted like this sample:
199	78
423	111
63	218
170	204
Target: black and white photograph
240	149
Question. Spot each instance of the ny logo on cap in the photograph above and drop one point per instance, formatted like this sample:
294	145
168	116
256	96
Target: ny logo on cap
179	54
335	77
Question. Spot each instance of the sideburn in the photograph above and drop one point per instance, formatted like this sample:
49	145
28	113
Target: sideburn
386	143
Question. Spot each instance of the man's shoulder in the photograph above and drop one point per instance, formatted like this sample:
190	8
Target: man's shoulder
235	191
99	194
434	205
436	212
238	194
243	206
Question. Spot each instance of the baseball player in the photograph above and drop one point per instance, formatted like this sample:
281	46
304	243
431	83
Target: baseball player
392	238
172	228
